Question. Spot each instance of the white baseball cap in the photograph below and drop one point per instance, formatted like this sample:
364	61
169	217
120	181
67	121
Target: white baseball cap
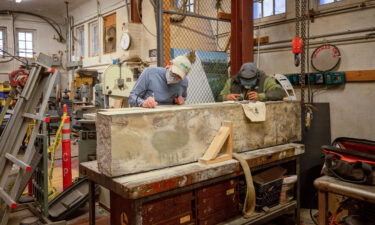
181	66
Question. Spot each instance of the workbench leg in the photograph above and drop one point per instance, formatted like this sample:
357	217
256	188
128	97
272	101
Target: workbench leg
323	208
125	211
298	191
91	202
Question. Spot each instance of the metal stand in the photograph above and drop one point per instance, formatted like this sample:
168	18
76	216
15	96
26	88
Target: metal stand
37	90
40	178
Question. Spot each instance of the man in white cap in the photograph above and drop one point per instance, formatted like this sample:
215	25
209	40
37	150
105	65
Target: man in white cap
162	86
251	84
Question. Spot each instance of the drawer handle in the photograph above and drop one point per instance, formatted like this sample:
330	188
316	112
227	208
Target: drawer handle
184	219
230	191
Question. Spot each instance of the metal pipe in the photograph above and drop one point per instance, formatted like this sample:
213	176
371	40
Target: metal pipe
308	55
195	16
247	31
320	14
365	37
127	10
93	17
100	31
68	34
159	28
326	35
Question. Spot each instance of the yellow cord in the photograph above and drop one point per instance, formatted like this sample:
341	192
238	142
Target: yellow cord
51	149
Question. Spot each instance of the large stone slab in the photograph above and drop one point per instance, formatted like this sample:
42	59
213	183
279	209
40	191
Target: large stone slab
135	139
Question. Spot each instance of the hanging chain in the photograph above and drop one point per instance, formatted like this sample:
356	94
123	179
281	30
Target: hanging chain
298	17
303	55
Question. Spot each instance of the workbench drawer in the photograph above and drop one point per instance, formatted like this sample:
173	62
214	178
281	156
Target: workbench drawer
219	216
166	208
218	197
222	187
208	206
183	219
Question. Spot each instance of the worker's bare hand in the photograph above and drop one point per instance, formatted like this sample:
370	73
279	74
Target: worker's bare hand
149	103
252	95
179	100
232	97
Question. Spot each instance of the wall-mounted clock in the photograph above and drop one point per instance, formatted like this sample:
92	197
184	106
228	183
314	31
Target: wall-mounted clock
125	41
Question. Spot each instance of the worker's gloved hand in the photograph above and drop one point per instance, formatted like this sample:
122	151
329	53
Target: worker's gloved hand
252	95
149	103
179	100
232	97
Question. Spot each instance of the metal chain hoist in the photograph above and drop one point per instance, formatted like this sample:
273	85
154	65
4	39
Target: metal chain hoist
299	49
297	40
303	53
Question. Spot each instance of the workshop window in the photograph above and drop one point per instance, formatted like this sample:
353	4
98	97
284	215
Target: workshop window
2	41
94	39
189	5
25	43
268	8
323	2
81	40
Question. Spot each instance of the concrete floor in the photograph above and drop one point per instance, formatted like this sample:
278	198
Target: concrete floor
81	217
57	180
103	217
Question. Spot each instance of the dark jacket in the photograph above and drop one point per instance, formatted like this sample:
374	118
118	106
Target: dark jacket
267	87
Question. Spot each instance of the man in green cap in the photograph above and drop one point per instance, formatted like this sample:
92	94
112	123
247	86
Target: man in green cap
251	84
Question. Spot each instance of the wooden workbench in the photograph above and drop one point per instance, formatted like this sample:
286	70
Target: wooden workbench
134	190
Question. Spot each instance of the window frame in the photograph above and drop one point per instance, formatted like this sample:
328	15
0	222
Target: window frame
80	45
91	38
273	17
4	40
334	1
33	32
188	5
340	4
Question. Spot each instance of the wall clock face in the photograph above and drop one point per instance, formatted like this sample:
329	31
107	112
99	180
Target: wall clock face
125	41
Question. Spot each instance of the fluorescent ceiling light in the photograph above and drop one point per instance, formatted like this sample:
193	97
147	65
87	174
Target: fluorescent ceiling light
18	1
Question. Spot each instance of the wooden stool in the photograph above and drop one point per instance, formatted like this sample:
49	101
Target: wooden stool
327	184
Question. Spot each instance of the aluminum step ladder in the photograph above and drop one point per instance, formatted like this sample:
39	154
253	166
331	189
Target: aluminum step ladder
34	97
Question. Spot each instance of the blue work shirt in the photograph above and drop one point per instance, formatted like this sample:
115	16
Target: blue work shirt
153	82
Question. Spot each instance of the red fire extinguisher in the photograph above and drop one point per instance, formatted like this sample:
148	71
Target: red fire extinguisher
297	45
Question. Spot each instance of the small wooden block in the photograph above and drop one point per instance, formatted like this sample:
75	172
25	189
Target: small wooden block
224	139
221	158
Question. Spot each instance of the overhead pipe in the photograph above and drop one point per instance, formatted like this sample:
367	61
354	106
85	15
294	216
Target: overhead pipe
319	14
68	34
93	17
325	35
159	28
366	37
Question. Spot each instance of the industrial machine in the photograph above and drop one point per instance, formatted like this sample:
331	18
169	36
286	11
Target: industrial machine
84	81
118	81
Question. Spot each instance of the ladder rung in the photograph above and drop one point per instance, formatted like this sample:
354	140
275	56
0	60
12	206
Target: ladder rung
32	116
18	162
7	199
